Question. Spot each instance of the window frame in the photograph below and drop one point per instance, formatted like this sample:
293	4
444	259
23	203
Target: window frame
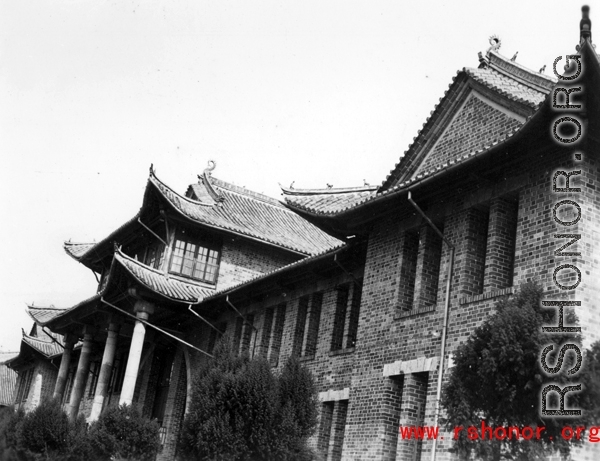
198	244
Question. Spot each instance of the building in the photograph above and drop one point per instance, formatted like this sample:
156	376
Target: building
372	287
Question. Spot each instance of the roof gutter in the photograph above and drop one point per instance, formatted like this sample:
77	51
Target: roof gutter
445	324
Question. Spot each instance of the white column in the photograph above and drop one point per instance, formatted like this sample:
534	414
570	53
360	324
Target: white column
83	368
63	371
143	309
108	359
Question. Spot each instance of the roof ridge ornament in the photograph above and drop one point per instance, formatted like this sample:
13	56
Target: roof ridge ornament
495	44
585	25
205	179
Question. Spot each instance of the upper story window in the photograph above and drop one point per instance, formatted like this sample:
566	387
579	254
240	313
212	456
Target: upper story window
191	259
155	255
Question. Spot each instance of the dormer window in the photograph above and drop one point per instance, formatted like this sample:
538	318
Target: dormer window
191	259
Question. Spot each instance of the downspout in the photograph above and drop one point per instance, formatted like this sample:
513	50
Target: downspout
245	321
445	324
145	322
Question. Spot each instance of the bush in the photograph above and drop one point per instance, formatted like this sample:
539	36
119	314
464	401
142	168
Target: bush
122	433
240	410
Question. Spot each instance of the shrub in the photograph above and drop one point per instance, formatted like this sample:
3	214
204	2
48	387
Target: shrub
122	433
241	411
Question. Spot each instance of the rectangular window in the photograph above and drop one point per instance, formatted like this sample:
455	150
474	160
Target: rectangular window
94	373
501	243
192	260
312	327
277	335
267	331
237	334
339	319
24	386
352	329
155	255
300	325
247	332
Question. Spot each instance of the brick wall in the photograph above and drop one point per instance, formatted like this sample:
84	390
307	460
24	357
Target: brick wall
242	260
476	125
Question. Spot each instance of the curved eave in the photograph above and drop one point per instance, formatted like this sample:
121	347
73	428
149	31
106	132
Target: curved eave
166	286
90	257
227	229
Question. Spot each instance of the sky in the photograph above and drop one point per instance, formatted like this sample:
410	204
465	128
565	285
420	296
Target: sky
311	92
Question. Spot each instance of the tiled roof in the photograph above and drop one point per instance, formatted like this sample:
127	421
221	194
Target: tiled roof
8	380
42	315
80	250
250	214
169	285
506	86
327	200
76	250
48	347
504	77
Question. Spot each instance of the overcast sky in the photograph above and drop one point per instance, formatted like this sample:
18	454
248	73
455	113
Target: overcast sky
316	92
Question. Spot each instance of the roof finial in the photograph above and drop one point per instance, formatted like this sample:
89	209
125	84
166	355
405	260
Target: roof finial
152	169
543	69
292	185
210	168
329	186
585	25
495	43
514	58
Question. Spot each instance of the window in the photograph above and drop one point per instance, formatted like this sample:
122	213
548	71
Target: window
273	333
155	255
339	320
94	373
24	386
307	325
345	322
192	260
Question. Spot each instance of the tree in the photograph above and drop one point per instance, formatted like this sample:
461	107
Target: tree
498	379
240	410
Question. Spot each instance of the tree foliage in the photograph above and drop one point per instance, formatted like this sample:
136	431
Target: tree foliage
498	378
46	433
240	410
122	433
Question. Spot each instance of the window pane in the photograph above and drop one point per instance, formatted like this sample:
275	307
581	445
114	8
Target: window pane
200	268
188	259
178	256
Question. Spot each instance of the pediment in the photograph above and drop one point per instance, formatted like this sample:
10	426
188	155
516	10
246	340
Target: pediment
476	121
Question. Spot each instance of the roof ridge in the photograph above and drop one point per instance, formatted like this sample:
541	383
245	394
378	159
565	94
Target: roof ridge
53	308
244	191
332	190
524	75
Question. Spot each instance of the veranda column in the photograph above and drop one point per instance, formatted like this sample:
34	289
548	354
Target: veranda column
63	371
108	359
143	309
83	368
